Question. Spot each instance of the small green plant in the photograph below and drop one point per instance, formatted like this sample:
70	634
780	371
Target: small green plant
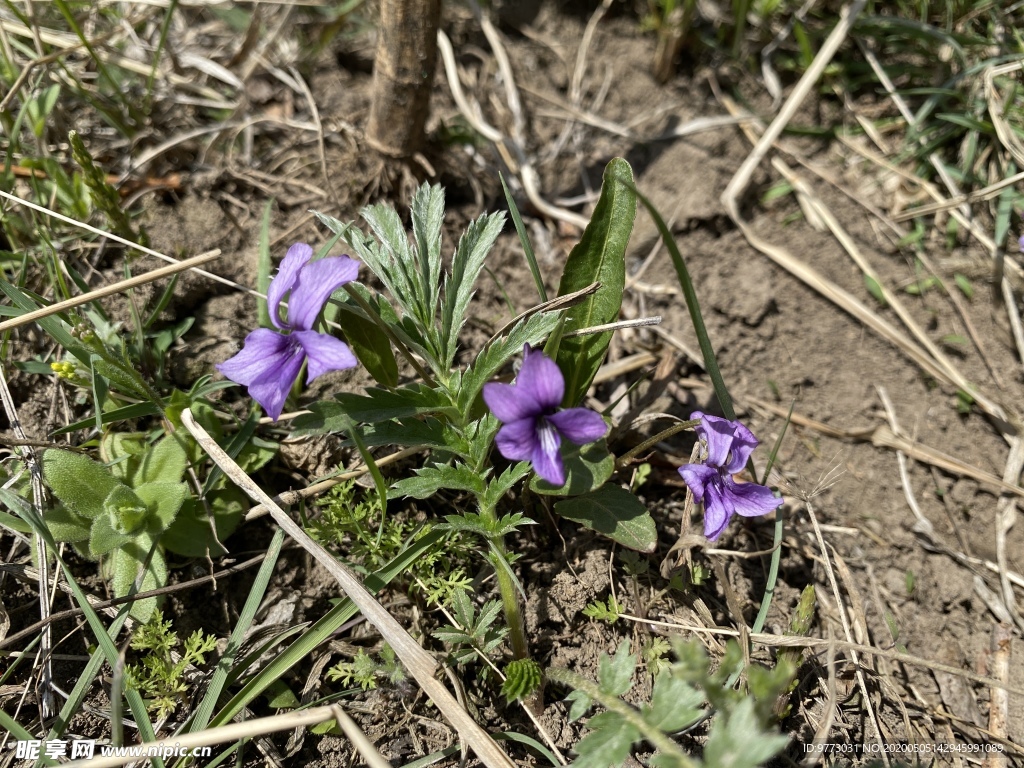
740	735
119	513
604	610
364	670
158	676
472	632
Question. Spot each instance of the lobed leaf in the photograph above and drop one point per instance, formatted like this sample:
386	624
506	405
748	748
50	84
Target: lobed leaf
429	480
474	245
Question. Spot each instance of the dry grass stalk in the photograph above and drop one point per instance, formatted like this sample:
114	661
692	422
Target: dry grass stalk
421	665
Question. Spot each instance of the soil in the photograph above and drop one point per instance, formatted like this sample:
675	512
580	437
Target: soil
778	342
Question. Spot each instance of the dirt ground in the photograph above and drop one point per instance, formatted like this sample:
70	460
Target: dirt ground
904	591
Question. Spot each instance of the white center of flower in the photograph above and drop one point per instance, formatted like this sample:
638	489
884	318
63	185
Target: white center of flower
548	436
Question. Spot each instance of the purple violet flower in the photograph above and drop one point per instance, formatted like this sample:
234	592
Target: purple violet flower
729	445
533	424
269	362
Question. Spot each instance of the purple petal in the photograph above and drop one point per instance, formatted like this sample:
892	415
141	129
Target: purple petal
540	380
268	365
260	353
729	442
697	477
296	258
508	404
580	425
317	281
325	353
547	461
751	499
518	440
718	510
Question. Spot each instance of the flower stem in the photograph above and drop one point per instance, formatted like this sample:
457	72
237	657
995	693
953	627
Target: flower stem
507	589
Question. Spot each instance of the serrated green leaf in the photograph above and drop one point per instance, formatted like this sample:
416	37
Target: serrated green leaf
429	480
581	703
609	743
474	245
427	214
615	673
122	376
599	256
426	432
587	468
614	512
375	406
675	703
503	483
738	740
80	483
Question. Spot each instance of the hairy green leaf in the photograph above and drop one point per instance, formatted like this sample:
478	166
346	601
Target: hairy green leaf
608	744
80	483
474	245
599	256
429	480
163	501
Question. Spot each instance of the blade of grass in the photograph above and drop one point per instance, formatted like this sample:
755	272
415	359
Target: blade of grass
693	306
204	712
524	239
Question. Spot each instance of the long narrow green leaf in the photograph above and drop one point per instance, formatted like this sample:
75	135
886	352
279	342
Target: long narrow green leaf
524	240
706	350
204	711
599	256
322	629
263	267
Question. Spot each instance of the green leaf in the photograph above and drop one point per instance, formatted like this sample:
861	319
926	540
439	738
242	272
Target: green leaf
375	406
874	289
65	525
125	378
522	677
614	512
127	565
125	509
427	432
587	468
524	240
280	696
191	533
675	703
964	284
163	501
738	740
608	744
134	411
474	245
80	483
429	480
427	214
599	256
165	462
615	673
502	484
370	344
104	538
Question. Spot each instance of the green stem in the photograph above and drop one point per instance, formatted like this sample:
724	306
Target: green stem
508	591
